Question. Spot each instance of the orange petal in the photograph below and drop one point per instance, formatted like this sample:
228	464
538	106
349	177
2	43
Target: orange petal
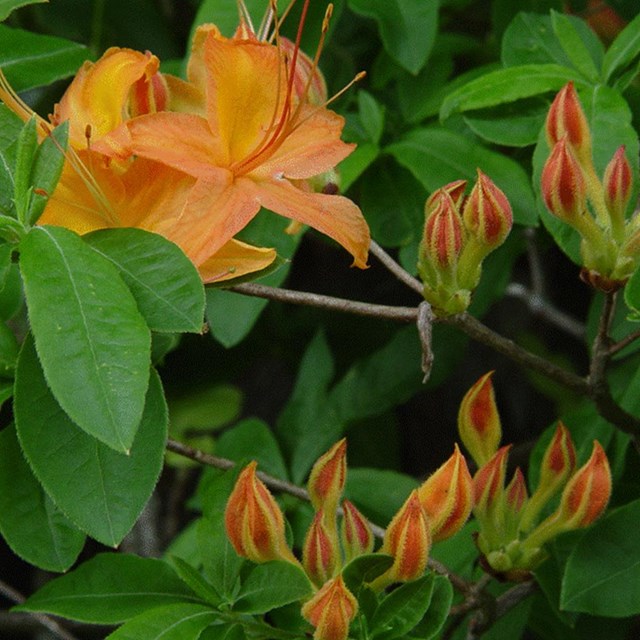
179	140
245	93
99	93
313	147
335	216
235	259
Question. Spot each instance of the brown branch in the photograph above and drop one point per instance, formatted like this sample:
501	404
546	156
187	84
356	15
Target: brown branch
49	623
616	347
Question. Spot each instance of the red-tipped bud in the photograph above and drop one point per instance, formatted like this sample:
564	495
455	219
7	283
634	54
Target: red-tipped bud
443	231
587	493
356	534
558	462
447	497
488	483
455	189
331	610
327	478
516	494
487	213
563	184
479	422
253	520
618	183
320	552
408	540
566	119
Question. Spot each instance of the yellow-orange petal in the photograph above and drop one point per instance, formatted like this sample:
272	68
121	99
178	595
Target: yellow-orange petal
235	259
335	216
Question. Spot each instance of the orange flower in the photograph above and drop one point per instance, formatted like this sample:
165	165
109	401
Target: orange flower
101	188
258	145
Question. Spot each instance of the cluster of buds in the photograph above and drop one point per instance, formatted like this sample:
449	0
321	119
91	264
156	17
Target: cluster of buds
459	232
435	511
512	526
596	209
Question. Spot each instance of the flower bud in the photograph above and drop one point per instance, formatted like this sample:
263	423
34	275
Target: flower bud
618	183
407	539
254	522
331	610
455	189
516	494
583	500
488	484
320	552
327	478
558	463
563	185
443	232
566	119
487	213
447	497
587	493
479	422
356	534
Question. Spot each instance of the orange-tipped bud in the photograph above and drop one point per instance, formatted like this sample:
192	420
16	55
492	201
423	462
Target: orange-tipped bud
587	493
488	483
356	534
327	478
479	422
331	610
408	540
618	183
447	497
253	520
566	119
443	231
563	184
321	551
487	213
455	189
558	462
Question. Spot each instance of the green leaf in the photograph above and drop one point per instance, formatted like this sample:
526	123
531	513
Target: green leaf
32	60
364	569
272	585
379	493
371	115
164	282
8	351
354	165
407	28
100	490
623	52
505	86
603	572
194	579
632	292
26	146
253	439
7	6
438	612
34	528
93	343
111	588
571	39
402	609
46	170
172	622
437	156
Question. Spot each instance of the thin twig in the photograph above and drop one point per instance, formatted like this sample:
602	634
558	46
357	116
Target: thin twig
396	269
425	324
480	332
402	314
543	309
47	622
616	347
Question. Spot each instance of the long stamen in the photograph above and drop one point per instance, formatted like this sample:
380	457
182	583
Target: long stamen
244	15
279	21
15	103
